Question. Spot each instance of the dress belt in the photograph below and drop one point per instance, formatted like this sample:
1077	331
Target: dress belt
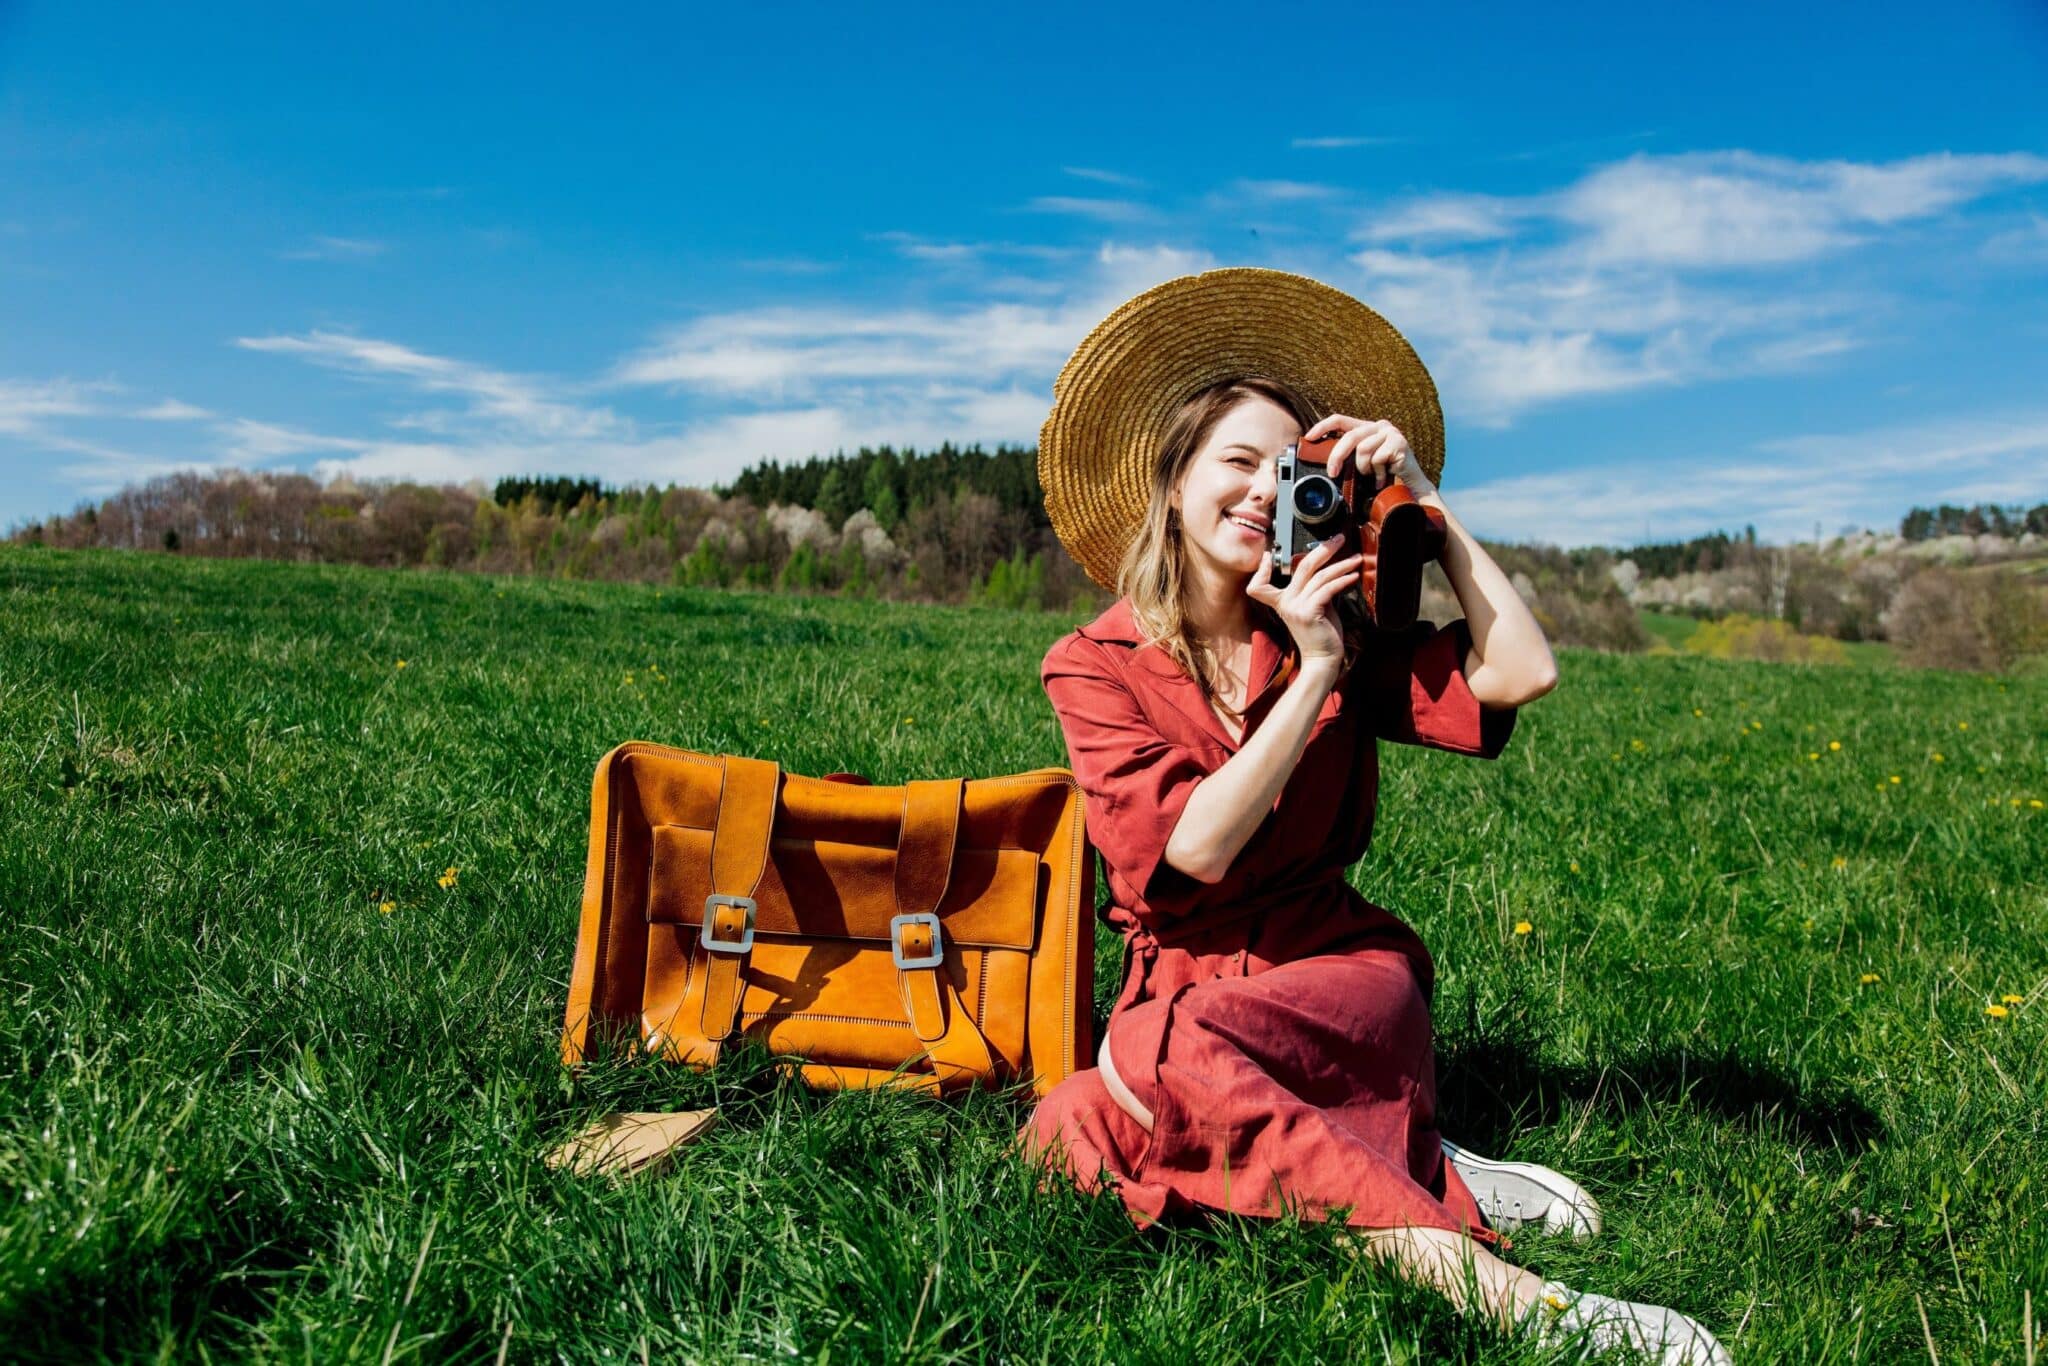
1205	925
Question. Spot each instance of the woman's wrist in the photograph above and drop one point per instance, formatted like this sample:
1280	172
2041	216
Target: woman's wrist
1321	671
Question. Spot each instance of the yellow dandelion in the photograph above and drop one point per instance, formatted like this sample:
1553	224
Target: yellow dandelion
1813	756
1997	1012
401	664
2034	802
1616	756
1841	861
450	871
1866	979
1637	745
1575	867
1523	927
1962	725
386	907
2011	999
765	721
2015	801
1697	712
1834	744
910	720
1937	758
1895	777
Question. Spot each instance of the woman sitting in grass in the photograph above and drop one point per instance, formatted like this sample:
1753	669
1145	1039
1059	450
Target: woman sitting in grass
1272	1045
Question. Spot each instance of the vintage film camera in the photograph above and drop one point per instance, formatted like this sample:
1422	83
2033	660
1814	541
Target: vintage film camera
1397	535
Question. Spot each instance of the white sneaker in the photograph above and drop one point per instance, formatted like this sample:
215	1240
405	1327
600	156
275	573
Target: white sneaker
1515	1193
1602	1324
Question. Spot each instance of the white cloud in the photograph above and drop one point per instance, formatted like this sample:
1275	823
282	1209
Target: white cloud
1104	177
1784	487
1329	143
1102	210
321	248
1648	271
1719	209
518	401
1281	191
171	410
2026	244
1445	217
784	352
26	404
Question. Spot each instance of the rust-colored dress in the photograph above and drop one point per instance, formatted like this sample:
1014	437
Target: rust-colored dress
1275	1023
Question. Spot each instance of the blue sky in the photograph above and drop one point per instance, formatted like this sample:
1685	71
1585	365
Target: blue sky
1673	269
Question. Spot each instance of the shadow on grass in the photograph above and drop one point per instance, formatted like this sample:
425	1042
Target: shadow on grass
1488	1090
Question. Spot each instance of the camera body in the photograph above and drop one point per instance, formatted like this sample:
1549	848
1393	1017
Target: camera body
1311	507
1396	534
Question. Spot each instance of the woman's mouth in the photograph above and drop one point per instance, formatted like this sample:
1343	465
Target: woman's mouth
1255	530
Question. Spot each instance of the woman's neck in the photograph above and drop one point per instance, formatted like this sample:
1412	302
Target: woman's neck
1216	605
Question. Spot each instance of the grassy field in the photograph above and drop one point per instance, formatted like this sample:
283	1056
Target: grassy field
272	1090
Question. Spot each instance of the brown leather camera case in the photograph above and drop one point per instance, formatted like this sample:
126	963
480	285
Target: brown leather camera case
931	935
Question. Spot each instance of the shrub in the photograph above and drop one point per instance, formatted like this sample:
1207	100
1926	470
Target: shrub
1986	621
1746	637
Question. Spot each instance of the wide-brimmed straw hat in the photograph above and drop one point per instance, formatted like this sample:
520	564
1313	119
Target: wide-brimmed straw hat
1118	392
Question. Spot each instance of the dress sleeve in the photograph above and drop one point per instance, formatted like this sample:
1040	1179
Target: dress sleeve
1412	686
1135	783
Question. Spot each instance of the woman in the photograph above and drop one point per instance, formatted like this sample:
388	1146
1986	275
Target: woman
1272	1046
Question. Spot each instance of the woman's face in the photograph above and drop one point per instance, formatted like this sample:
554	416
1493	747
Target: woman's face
1233	479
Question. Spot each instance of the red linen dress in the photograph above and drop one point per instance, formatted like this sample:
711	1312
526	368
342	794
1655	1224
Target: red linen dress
1275	1023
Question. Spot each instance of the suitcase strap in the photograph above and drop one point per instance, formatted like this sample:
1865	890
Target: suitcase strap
924	867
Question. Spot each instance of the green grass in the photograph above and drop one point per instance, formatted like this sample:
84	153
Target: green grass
248	1115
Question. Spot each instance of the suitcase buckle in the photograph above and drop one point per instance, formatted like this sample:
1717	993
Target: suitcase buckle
898	924
707	934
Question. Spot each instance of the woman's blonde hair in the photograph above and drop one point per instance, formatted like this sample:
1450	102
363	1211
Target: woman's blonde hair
1153	571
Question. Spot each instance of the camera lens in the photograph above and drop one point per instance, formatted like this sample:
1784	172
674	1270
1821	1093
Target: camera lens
1315	498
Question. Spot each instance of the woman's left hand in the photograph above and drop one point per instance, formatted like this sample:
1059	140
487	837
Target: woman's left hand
1380	451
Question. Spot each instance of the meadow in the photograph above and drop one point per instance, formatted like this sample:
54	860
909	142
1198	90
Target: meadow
290	875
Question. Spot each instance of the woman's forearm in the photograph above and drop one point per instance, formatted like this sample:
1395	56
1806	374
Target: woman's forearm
1510	663
1227	807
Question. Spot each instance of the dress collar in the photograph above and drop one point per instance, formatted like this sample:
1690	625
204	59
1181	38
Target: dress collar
1273	663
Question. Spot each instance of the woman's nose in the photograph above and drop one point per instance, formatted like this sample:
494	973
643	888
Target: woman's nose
1266	484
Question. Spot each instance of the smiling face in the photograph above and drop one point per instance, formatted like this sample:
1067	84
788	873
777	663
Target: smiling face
1232	480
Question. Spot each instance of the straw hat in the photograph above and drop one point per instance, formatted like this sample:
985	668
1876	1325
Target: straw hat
1119	390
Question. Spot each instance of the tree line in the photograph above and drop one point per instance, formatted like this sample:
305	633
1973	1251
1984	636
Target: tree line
1979	519
953	524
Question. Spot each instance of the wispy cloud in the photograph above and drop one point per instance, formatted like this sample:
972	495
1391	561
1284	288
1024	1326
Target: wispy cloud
1650	271
1334	143
1105	177
172	410
773	354
1444	218
25	405
787	265
1102	210
1281	191
2026	244
337	249
1784	487
523	402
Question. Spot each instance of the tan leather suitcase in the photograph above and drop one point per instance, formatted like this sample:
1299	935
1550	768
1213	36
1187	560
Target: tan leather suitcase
934	935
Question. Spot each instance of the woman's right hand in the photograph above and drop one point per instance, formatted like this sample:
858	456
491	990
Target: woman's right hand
1308	603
